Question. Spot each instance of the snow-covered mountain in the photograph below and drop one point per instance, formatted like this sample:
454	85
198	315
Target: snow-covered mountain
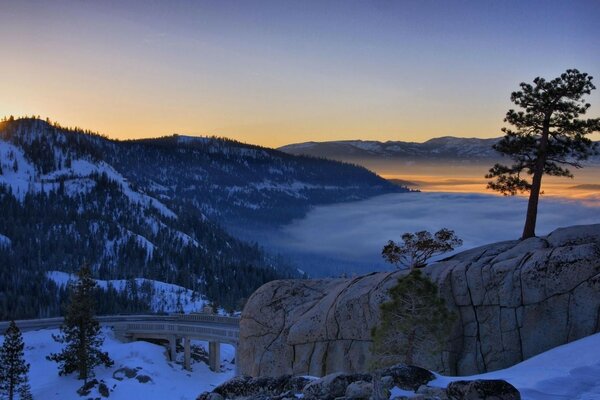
239	184
443	149
159	296
150	209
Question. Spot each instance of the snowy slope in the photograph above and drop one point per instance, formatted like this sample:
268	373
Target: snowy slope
166	297
24	178
5	241
568	372
76	194
571	371
169	380
17	172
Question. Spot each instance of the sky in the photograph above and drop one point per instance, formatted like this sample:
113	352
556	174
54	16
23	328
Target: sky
279	72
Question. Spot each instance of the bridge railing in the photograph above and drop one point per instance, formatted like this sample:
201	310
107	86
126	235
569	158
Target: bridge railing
206	332
50	323
219	319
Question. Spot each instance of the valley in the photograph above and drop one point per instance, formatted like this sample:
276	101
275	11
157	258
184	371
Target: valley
175	210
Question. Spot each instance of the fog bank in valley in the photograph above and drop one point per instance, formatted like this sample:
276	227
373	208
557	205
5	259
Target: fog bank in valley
353	233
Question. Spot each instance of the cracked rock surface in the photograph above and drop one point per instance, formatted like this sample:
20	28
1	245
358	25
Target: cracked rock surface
514	300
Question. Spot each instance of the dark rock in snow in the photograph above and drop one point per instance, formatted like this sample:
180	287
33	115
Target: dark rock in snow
124	372
408	377
341	386
103	389
143	378
482	390
87	387
264	387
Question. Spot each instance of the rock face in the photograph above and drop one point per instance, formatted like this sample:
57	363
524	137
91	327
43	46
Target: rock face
514	300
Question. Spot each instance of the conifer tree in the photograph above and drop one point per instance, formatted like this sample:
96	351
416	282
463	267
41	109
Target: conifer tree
545	136
416	248
13	368
413	324
25	392
81	332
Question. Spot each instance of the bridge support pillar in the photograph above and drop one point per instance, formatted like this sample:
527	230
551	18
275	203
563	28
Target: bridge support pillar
214	356
173	348
187	362
236	359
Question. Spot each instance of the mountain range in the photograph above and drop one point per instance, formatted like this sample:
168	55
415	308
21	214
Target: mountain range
161	209
443	149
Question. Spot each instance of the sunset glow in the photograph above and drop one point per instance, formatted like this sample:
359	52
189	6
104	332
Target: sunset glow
287	72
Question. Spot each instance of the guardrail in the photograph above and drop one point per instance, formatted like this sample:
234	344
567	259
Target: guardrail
52	323
215	329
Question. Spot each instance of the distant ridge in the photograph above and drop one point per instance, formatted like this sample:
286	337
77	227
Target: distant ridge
437	149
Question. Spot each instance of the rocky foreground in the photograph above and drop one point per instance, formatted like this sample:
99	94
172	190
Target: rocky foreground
398	382
514	300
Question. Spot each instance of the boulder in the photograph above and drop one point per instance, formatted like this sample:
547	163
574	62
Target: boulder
482	390
408	377
433	393
358	387
514	300
332	386
248	387
359	390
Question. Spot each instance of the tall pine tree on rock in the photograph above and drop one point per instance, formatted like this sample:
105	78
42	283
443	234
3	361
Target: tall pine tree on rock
81	332
547	135
13	368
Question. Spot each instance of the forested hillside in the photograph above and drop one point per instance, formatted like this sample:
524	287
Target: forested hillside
241	185
151	209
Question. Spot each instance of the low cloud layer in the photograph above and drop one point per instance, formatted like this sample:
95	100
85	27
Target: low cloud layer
357	231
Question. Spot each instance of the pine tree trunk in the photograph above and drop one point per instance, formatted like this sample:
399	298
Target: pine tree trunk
536	183
410	347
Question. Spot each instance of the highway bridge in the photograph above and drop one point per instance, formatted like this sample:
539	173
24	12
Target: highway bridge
173	328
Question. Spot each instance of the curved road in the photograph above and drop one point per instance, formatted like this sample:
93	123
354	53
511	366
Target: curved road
215	329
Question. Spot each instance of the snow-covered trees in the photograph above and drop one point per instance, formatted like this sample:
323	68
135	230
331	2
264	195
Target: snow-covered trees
81	332
13	368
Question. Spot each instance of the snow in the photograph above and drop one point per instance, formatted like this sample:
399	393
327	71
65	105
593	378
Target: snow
83	168
19	181
169	379
5	241
76	178
166	297
366	145
145	243
187	239
397	392
570	371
